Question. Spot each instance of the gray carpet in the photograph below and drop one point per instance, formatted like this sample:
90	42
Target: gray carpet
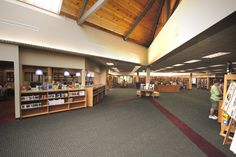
192	107
122	129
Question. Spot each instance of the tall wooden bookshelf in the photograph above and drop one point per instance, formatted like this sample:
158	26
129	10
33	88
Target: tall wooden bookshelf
34	103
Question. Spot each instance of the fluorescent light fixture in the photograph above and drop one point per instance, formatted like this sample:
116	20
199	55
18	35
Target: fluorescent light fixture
160	69
189	69
201	68
218	65
218	54
135	68
77	74
66	73
110	64
116	69
169	67
38	72
233	62
192	61
49	5
217	70
177	65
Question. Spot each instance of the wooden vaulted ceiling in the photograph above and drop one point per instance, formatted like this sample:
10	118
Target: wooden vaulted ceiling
119	17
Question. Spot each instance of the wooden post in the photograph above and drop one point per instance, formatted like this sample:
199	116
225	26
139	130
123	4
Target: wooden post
50	75
190	81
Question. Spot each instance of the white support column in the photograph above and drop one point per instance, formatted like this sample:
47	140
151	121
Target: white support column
137	77
190	81
148	75
83	76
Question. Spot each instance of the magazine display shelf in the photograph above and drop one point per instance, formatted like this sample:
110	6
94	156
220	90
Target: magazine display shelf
34	103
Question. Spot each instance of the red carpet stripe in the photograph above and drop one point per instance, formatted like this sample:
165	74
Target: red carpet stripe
209	149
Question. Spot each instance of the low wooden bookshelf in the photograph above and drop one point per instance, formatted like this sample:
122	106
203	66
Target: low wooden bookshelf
95	94
34	103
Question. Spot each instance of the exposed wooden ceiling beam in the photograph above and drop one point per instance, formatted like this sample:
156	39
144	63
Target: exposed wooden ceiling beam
175	6
167	9
140	17
94	8
154	26
83	8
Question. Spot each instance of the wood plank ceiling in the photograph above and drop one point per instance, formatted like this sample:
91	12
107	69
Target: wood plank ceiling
119	17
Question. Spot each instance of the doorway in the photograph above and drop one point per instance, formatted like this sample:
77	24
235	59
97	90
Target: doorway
7	97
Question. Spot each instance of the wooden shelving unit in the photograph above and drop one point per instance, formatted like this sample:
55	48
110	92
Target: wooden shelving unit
225	128
95	94
34	103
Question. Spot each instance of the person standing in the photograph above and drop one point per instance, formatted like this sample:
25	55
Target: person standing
216	96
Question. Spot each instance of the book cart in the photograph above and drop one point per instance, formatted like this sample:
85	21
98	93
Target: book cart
229	108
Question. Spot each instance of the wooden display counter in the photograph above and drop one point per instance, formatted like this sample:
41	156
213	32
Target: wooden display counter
95	94
167	88
34	103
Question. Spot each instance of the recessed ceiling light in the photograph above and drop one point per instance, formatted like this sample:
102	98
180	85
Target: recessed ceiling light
192	61
201	68
49	5
218	54
218	65
177	65
110	64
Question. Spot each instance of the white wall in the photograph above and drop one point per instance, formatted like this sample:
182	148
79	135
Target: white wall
26	24
11	53
37	57
189	19
100	72
91	66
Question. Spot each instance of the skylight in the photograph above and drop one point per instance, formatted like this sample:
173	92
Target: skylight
49	5
218	54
